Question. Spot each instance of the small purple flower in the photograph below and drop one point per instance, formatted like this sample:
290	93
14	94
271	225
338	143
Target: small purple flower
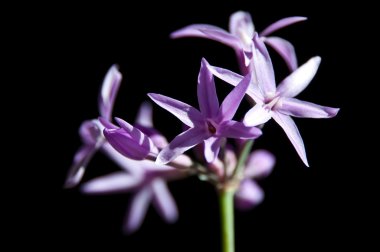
146	180
240	37
211	124
89	131
279	102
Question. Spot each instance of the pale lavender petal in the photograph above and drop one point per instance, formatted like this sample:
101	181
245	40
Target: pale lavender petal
234	129
209	32
78	168
298	108
297	81
113	183
124	143
164	201
241	26
211	148
194	31
135	167
207	97
224	38
291	130
263	67
106	123
89	132
157	138
145	115
281	24
137	209
260	164
180	144
232	101
285	49
108	92
184	112
234	79
257	115
248	195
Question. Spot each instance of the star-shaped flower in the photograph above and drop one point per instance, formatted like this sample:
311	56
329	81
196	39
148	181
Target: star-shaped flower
278	102
211	124
239	37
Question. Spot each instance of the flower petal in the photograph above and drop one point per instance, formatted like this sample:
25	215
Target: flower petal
285	49
209	32
180	144
90	132
234	129
194	30
124	143
112	183
297	81
232	101
211	148
137	135
281	24
298	108
248	195
138	209
241	26
145	115
234	79
260	164
135	167
291	130
78	168
109	90
207	97
263	68
257	116
184	112
164	201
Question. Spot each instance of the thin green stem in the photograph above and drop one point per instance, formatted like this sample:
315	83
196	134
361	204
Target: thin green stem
242	158
226	200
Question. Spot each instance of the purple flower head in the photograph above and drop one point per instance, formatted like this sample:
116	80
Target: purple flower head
90	132
279	102
239	37
211	124
146	180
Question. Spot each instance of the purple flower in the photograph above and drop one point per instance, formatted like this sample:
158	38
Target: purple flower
279	102
211	124
89	131
146	180
240	37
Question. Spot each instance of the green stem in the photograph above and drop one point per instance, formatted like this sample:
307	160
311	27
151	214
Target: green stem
242	158
226	199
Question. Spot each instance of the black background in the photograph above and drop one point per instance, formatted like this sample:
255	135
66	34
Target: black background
318	207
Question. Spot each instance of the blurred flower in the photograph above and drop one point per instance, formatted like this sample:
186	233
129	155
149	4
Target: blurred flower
211	124
146	180
89	131
239	37
278	102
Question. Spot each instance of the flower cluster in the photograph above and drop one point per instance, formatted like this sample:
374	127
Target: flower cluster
149	161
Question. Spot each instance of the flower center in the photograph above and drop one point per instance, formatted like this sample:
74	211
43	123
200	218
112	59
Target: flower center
210	126
270	103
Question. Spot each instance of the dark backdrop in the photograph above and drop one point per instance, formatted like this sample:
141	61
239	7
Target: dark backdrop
316	207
